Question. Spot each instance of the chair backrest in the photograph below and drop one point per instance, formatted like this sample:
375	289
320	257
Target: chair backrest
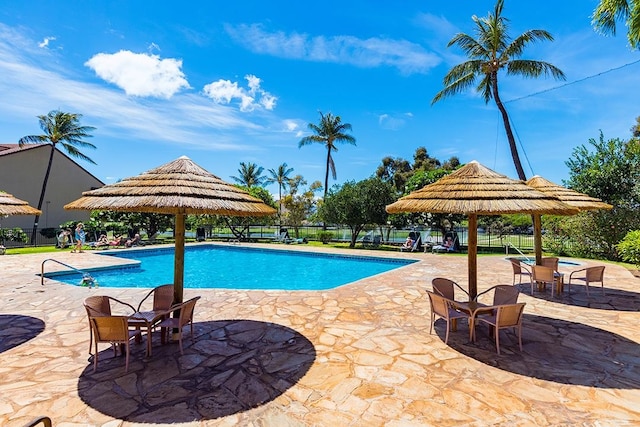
110	328
439	304
505	294
186	311
163	297
595	274
518	266
97	305
509	315
542	273
444	287
551	262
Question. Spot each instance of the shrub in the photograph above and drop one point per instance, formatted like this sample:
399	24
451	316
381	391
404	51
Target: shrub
13	235
325	236
629	248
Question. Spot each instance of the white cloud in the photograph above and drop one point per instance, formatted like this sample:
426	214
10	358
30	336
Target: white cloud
290	125
373	52
394	122
45	43
140	74
225	91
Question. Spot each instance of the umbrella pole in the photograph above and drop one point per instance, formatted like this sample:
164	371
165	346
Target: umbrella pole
537	237
178	270
472	249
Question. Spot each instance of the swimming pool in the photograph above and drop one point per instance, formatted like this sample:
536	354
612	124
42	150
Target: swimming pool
561	262
213	266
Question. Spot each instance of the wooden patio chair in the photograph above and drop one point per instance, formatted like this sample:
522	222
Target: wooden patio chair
543	275
506	316
444	308
113	330
100	305
520	269
589	275
184	318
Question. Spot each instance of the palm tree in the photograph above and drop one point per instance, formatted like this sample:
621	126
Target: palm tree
64	129
280	176
250	175
490	52
610	11
328	132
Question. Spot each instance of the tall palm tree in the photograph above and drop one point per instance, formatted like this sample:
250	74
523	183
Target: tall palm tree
250	175
491	51
281	177
609	11
64	129
329	131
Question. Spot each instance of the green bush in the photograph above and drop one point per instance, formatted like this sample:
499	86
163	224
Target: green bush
325	236
629	247
13	235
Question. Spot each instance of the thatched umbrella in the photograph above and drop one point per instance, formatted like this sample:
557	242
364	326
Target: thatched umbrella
10	205
477	190
570	197
179	188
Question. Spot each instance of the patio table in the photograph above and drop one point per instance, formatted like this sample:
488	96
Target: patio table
473	308
147	319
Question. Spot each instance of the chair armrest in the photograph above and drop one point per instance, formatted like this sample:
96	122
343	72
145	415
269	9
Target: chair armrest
577	271
133	310
145	298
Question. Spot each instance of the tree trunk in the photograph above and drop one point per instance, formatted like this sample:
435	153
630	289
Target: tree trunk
42	192
326	184
507	128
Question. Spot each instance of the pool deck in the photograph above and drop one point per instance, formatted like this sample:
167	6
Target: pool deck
357	355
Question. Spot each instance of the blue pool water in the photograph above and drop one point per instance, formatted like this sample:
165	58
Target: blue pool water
211	266
561	262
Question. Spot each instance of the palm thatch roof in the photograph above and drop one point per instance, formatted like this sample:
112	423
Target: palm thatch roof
10	205
477	190
178	187
570	197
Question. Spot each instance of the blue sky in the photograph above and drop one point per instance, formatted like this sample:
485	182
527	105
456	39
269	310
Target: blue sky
226	82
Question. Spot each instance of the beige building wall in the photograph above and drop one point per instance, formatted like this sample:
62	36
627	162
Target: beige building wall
21	174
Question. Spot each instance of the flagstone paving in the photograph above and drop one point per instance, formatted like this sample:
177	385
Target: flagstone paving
358	355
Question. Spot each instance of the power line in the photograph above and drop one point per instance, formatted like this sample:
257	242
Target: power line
573	82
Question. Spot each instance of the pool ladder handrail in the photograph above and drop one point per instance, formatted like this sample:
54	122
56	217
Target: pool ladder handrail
517	250
61	263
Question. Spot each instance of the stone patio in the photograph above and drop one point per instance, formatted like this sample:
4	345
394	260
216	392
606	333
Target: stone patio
358	355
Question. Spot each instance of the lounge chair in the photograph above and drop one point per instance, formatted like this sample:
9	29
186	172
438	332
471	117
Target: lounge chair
185	318
416	238
588	275
506	316
450	243
444	308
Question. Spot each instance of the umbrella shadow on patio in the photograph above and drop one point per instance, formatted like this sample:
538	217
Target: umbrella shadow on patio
614	299
234	365
17	329
559	351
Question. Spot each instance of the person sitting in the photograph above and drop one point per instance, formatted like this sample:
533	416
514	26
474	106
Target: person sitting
117	241
446	246
408	244
102	241
133	242
64	238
